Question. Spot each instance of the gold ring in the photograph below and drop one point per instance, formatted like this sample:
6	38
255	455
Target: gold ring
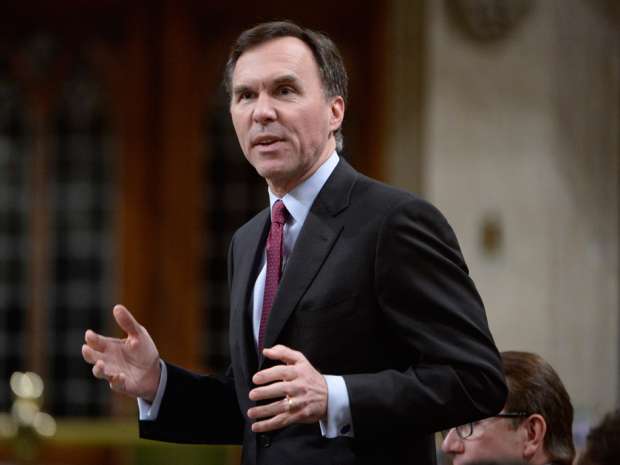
290	403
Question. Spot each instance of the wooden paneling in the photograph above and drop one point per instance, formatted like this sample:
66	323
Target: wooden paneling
160	63
185	81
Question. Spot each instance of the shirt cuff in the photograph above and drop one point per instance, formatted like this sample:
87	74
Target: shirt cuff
338	421
147	410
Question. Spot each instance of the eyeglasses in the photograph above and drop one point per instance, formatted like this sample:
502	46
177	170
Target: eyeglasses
467	430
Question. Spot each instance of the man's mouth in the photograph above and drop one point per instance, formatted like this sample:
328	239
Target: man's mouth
266	141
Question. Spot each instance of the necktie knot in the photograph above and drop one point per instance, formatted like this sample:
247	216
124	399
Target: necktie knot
279	212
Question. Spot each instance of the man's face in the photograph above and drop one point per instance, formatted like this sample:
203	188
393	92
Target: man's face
493	439
283	120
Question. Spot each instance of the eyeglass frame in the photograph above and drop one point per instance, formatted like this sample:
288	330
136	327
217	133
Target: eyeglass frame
464	437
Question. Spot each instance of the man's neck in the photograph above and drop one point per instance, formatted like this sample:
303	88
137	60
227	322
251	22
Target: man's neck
541	458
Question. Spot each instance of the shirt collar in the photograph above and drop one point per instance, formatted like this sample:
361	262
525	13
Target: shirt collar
299	200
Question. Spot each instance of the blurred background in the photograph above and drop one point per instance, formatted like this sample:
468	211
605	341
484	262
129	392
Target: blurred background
121	180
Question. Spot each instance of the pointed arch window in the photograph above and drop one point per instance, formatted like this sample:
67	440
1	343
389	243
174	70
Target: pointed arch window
14	230
82	199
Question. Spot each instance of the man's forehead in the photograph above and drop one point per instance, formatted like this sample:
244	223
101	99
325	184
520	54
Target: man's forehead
274	59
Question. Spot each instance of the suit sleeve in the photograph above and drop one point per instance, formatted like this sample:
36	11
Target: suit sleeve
437	321
196	409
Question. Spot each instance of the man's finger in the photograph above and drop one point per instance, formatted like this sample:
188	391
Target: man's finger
272	424
95	341
272	391
91	355
99	342
99	370
117	382
269	410
284	354
276	373
126	320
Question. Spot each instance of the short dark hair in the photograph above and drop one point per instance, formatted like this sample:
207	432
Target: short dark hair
602	444
535	387
328	59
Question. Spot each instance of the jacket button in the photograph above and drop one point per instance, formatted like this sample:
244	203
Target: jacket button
264	440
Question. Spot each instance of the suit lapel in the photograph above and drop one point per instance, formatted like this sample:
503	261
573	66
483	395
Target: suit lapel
250	245
320	231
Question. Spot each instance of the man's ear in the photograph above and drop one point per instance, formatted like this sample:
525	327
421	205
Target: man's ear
535	431
336	113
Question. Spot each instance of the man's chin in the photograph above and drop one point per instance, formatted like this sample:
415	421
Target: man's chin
272	172
461	460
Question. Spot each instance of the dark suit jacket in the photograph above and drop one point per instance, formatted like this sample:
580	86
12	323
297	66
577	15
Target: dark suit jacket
375	290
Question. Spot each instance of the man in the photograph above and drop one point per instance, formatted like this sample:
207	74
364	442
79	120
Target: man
603	442
535	425
355	330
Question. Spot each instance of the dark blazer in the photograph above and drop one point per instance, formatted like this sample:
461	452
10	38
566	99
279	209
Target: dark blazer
375	290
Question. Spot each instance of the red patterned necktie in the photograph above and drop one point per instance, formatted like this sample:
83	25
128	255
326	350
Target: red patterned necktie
274	266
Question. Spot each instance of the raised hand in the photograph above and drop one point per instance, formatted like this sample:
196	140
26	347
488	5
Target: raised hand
298	389
129	365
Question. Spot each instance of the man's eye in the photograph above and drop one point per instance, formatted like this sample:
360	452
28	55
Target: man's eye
245	96
286	90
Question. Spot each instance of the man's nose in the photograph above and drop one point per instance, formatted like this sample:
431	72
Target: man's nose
452	444
264	110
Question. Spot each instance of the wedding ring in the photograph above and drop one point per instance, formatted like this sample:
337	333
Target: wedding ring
290	403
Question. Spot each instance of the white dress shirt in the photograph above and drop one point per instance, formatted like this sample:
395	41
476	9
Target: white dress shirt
298	203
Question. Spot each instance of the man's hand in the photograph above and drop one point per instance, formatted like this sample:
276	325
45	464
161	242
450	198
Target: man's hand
303	388
130	365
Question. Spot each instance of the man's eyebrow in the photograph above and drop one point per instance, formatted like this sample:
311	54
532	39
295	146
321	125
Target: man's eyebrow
241	89
290	79
286	79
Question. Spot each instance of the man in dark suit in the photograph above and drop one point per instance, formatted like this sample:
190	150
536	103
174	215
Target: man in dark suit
355	330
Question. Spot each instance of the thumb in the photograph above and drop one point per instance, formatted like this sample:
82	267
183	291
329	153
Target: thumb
126	320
